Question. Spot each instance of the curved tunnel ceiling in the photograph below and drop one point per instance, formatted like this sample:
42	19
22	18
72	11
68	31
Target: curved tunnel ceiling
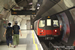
47	4
59	7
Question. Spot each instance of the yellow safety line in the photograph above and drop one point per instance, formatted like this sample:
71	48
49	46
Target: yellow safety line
13	9
34	41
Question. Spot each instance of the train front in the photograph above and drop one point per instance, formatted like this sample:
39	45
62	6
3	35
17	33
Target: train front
48	27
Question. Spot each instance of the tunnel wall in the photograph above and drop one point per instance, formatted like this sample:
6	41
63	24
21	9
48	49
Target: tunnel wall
2	29
5	17
28	25
60	6
71	37
23	25
72	27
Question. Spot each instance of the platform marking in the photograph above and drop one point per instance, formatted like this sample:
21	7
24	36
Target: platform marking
38	41
34	41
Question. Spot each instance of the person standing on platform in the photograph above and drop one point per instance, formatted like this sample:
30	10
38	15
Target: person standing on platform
8	33
16	30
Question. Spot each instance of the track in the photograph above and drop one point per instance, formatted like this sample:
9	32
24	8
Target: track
50	44
46	44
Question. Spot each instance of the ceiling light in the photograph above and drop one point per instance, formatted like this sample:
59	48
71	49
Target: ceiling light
38	7
30	9
38	4
30	3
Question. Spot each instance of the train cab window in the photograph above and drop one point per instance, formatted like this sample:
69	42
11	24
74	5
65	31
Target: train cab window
55	23
48	22
42	23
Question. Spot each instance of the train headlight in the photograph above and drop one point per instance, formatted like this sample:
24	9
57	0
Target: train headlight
41	30
55	30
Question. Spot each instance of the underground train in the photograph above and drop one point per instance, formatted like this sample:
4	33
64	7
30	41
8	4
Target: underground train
47	27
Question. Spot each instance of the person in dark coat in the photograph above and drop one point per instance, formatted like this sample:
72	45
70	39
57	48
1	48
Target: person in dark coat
8	34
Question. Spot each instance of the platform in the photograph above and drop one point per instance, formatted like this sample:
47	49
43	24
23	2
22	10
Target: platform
28	41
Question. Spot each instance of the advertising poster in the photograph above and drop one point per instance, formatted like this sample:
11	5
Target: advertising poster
66	27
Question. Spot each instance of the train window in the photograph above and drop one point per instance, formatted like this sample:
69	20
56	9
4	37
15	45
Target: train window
55	23
42	23
48	22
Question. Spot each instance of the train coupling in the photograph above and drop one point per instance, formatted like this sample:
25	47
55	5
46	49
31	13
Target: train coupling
49	38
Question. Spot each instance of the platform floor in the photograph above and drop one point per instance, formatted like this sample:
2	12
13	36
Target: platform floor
28	41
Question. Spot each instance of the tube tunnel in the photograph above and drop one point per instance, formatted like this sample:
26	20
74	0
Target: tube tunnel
44	24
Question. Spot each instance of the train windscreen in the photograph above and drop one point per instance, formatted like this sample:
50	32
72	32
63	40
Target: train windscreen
55	23
66	26
48	22
42	23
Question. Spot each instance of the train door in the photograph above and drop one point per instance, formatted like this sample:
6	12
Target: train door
48	26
